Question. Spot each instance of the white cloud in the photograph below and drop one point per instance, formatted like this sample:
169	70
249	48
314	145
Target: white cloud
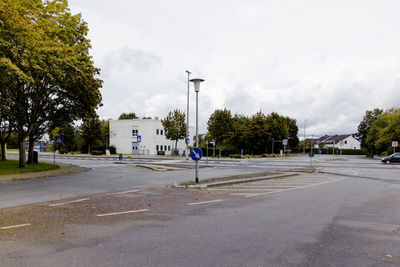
325	61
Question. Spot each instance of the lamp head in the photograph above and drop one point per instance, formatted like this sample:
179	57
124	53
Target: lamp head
196	83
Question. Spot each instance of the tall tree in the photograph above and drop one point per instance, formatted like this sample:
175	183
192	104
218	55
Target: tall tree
368	120
91	131
384	130
220	127
45	52
175	126
127	116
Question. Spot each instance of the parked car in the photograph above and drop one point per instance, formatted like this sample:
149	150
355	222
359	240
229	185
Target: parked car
394	158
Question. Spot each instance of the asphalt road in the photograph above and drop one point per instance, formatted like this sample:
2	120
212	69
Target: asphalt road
347	215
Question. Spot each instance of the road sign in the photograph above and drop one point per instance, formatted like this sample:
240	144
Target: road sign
319	151
213	142
284	142
311	154
187	140
139	139
196	153
395	143
58	140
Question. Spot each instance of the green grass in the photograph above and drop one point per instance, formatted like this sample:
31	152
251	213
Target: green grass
11	167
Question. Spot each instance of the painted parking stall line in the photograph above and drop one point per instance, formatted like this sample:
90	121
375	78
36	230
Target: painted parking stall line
204	202
299	187
14	226
121	212
69	202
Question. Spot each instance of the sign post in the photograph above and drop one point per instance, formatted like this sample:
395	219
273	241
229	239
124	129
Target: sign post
207	153
138	139
58	140
196	155
284	143
394	145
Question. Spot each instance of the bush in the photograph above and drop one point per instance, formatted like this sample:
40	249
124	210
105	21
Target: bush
96	152
113	150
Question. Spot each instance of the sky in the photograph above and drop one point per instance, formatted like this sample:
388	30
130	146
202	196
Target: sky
321	62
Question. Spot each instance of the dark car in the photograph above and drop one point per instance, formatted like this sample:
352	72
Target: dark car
394	158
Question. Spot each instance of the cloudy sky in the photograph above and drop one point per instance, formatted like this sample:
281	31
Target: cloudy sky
321	60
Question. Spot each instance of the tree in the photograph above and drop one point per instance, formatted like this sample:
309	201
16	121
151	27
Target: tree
384	130
44	56
278	129
6	123
220	127
363	128
127	116
175	126
90	130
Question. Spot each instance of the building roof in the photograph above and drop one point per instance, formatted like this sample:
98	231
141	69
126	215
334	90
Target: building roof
332	139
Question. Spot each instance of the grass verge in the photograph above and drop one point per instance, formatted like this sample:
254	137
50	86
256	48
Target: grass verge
11	167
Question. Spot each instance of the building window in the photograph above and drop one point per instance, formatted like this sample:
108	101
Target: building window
160	148
169	148
135	132
157	132
161	132
345	142
165	148
157	147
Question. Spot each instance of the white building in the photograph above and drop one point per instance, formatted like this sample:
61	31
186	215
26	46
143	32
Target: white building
345	141
124	136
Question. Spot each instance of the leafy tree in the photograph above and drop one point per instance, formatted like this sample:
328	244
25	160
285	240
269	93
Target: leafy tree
6	123
363	128
127	116
293	131
278	129
220	127
45	66
384	130
175	126
91	131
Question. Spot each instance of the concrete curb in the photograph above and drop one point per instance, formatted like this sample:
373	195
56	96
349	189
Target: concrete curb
236	181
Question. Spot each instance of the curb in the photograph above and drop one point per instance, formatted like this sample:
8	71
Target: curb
236	181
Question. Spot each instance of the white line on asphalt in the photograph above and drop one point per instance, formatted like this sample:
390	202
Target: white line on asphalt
204	202
68	202
237	189
121	212
14	226
127	192
300	187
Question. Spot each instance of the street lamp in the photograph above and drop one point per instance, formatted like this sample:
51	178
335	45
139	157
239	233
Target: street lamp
196	83
187	117
304	140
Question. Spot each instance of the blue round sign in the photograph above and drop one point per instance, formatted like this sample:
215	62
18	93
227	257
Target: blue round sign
319	151
196	153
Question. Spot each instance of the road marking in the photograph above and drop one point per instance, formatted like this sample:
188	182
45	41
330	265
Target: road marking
283	190
68	202
127	192
204	202
14	226
121	212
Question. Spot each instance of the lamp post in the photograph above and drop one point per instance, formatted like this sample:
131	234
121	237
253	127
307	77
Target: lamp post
187	116
196	83
304	140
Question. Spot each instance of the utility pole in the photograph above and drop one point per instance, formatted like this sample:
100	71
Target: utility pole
187	115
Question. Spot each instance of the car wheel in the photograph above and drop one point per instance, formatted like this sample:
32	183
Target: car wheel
387	162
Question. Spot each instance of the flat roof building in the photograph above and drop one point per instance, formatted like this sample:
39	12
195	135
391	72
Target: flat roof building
124	136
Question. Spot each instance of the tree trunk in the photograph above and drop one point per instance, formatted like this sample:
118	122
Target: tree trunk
22	156
3	151
89	148
30	149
